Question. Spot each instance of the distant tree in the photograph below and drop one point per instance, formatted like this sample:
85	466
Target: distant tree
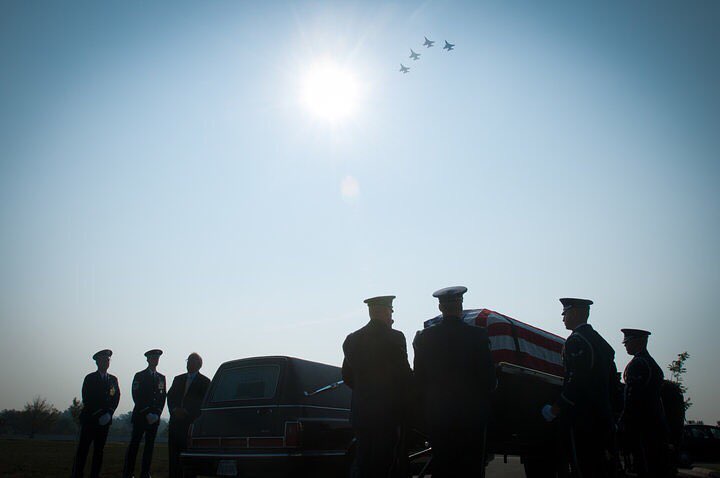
677	369
39	415
74	410
12	422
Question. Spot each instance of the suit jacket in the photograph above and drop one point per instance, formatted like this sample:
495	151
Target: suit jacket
376	368
148	393
99	396
454	374
190	401
590	377
643	382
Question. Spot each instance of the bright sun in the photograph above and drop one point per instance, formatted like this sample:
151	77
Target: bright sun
330	92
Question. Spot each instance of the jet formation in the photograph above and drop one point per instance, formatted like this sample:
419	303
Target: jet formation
416	56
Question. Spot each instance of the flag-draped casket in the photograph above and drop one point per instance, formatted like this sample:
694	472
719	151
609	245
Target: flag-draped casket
515	342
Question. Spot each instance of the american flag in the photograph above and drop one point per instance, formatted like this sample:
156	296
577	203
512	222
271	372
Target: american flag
516	342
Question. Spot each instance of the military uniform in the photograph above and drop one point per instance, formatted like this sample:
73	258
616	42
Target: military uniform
376	368
454	376
100	397
586	397
188	397
643	419
148	391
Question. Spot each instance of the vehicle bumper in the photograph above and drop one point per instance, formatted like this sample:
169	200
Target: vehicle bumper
266	464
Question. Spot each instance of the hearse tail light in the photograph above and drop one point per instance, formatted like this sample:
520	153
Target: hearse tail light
265	442
293	430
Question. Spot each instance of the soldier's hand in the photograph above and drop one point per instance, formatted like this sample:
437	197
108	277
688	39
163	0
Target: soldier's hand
151	418
548	413
104	419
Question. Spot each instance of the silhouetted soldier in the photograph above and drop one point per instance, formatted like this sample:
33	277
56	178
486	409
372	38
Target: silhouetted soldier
643	420
454	375
376	368
100	397
148	391
184	400
586	398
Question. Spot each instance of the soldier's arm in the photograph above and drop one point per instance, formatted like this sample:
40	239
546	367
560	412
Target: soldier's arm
115	399
579	360
86	392
90	396
139	395
136	394
637	377
348	375
403	362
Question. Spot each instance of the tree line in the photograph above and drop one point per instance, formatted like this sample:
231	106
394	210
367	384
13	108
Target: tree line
40	417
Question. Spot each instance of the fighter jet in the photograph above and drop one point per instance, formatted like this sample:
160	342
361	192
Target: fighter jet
448	46
403	68
413	55
428	43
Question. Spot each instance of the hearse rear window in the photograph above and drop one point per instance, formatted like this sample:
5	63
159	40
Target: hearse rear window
247	383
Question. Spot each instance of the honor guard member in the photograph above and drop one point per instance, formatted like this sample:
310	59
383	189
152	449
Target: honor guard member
585	402
643	420
376	368
148	391
184	400
454	377
100	397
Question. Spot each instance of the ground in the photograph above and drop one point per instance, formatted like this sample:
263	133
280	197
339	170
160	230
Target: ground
50	459
22	458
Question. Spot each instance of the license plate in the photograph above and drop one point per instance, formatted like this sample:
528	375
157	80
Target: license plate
227	468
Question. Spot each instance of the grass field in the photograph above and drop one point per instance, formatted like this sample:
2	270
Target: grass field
49	459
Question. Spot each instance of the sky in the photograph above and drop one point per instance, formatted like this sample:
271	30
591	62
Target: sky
165	182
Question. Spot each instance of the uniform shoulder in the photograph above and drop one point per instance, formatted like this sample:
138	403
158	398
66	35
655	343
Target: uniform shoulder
577	341
112	377
638	362
578	336
91	375
397	334
350	338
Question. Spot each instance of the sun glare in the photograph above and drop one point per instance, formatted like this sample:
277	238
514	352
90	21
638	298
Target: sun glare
330	92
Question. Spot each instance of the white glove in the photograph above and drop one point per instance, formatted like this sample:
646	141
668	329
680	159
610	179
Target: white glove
104	419
151	418
547	413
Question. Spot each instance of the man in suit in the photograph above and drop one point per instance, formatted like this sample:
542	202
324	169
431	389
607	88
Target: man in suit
148	391
454	375
184	400
585	402
376	368
100	397
643	418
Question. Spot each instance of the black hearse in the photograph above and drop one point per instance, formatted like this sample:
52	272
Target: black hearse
266	416
283	416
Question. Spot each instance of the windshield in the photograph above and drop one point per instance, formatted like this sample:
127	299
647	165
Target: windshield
246	383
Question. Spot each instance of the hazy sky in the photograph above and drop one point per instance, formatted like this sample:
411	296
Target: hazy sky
163	183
